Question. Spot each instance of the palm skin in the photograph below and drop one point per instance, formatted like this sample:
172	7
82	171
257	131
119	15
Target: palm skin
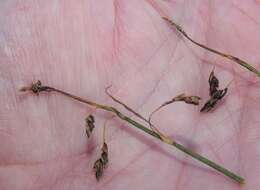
83	47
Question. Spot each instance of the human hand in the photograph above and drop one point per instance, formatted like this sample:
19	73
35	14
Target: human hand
85	46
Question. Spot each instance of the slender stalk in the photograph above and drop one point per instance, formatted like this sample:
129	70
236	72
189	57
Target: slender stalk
182	97
125	106
228	56
37	88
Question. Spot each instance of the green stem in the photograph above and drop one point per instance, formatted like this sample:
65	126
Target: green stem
188	151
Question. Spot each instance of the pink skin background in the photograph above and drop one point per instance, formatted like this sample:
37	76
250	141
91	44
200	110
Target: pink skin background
86	45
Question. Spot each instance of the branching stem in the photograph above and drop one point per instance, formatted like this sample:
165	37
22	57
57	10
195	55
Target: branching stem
37	88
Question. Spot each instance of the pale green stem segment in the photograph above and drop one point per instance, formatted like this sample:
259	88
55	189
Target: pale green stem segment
188	151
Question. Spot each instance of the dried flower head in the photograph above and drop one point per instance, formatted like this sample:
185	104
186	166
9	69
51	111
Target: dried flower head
90	120
190	99
215	94
36	88
102	162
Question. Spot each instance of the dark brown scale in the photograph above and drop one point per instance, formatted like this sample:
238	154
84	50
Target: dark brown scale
104	158
208	105
104	155
213	83
218	95
98	167
90	125
90	119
